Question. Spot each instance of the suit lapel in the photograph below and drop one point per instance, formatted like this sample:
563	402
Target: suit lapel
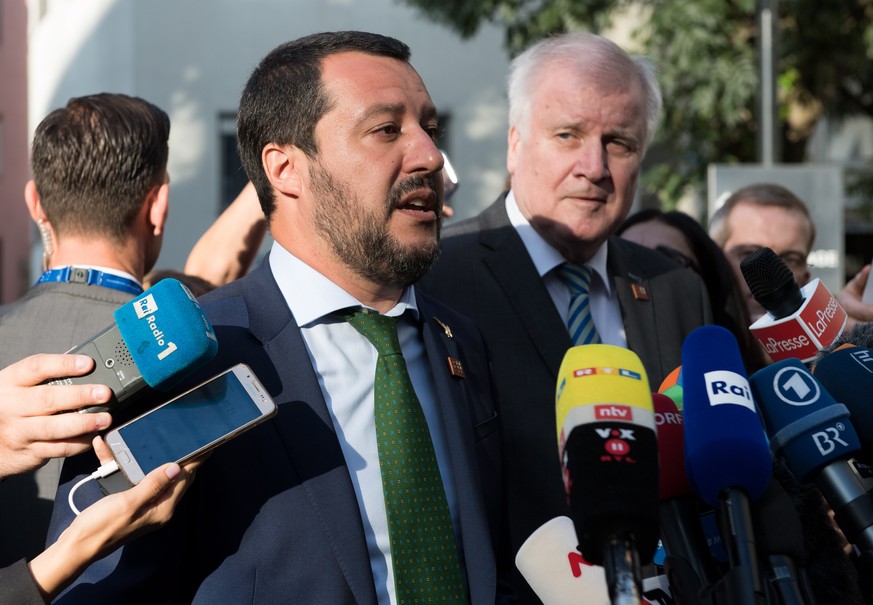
514	270
315	455
637	307
455	408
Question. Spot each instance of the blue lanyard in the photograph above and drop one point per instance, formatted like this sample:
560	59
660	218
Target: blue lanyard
90	277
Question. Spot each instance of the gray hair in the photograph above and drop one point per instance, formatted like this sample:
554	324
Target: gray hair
592	55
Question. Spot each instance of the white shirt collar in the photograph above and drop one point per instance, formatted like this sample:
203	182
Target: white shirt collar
545	256
311	295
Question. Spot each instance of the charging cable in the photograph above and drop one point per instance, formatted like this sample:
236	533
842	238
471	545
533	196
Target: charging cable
104	471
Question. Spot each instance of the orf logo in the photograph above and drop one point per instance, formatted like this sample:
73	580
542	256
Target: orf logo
725	387
796	387
145	306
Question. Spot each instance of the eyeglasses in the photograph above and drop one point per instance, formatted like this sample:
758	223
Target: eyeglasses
795	260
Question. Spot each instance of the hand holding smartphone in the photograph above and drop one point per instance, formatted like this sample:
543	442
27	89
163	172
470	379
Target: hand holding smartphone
188	425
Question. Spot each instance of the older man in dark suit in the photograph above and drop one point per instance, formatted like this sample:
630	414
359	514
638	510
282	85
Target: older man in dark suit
374	482
539	271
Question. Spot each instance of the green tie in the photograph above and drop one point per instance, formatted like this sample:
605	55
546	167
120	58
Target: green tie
425	557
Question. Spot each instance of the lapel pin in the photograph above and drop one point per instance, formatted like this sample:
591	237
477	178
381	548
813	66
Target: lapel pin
640	292
456	369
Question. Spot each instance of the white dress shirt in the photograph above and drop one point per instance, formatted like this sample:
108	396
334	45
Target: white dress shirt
605	309
345	363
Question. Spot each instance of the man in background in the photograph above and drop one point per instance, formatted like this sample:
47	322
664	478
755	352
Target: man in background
99	197
540	270
764	215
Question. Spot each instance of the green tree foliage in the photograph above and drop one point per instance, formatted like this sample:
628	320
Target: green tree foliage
705	52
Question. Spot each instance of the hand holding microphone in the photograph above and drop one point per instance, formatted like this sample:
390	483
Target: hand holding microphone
158	339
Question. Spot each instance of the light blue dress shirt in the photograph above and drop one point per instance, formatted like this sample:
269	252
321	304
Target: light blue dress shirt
345	363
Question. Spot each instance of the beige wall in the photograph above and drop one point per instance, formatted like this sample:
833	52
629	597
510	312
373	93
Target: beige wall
15	226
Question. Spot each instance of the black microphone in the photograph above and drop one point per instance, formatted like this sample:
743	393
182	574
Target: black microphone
689	565
779	535
799	322
726	453
609	455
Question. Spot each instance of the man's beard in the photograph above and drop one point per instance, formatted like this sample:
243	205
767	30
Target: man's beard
360	237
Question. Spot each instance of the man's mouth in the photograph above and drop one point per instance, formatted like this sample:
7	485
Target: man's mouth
421	200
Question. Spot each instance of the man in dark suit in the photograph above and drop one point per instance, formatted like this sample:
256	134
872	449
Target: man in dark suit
99	197
336	133
581	114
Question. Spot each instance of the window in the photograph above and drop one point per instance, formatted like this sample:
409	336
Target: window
233	177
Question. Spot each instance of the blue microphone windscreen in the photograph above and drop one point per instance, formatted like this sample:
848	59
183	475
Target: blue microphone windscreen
167	333
847	374
806	426
725	444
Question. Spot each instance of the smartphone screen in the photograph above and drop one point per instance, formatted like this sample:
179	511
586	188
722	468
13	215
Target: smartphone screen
207	414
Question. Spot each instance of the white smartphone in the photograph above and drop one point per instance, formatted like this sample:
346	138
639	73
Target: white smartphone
192	423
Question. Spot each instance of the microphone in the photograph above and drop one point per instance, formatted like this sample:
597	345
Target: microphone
671	386
726	454
608	450
551	563
814	435
158	339
689	565
780	539
799	321
847	374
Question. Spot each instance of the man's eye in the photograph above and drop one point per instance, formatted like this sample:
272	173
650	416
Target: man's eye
390	129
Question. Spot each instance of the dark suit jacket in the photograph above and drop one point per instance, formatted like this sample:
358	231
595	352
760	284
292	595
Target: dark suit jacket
485	272
272	516
50	318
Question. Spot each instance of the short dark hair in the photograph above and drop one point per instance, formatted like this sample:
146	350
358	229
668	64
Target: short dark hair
284	98
96	160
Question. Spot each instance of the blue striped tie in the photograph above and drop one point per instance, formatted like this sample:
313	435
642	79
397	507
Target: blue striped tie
579	320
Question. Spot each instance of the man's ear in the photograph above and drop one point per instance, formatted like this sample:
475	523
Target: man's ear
159	209
31	200
512	140
282	164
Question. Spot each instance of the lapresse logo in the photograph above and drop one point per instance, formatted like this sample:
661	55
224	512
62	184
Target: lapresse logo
728	388
796	387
